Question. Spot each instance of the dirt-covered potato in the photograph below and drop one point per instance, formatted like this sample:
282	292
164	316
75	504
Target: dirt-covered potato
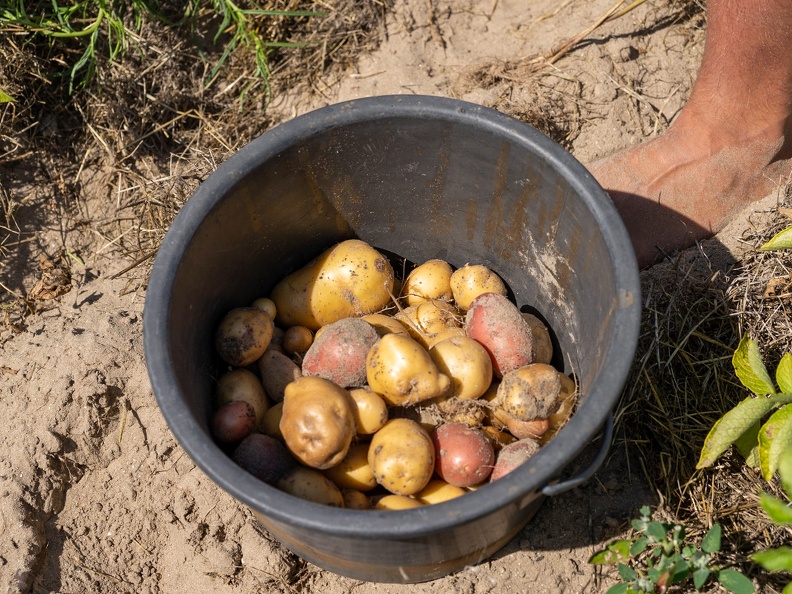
430	280
339	353
371	412
428	319
463	456
318	422
264	457
512	456
402	457
470	281
568	398
402	372
467	363
353	472
351	279
530	392
311	485
243	335
242	385
438	491
297	339
277	371
233	422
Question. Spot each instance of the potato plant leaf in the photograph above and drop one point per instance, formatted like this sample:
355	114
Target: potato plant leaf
779	559
731	426
784	373
775	437
5	97
780	241
785	472
747	445
778	511
735	582
748	366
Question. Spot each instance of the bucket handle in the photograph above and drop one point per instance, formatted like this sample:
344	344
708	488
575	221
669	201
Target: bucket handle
607	435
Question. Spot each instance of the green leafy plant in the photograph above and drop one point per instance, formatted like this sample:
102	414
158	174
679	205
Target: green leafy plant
660	555
780	512
760	427
780	241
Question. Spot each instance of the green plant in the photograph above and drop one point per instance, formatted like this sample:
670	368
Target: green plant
780	512
660	555
760	427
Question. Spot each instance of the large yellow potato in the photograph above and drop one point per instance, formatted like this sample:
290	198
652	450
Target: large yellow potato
402	457
466	362
351	279
472	280
402	372
430	280
318	422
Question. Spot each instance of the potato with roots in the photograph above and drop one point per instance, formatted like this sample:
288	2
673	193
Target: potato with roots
402	457
317	422
470	281
351	279
243	335
429	319
339	353
431	280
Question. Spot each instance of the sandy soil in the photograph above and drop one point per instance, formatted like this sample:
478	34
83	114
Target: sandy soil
97	496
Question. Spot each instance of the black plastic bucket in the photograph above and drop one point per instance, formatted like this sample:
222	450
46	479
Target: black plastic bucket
421	177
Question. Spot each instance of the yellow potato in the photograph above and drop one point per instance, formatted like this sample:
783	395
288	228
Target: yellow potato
402	372
371	412
428	319
266	305
443	335
430	280
558	419
354	499
312	485
497	437
353	472
402	457
270	424
396	502
542	344
438	491
297	339
530	392
351	279
243	335
318	422
467	363
470	281
385	324
242	385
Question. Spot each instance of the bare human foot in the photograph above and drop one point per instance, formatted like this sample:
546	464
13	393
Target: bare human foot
730	145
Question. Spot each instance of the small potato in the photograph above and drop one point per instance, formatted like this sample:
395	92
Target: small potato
270	424
354	499
243	335
266	305
402	372
542	343
297	339
428	319
385	324
264	457
396	503
438	491
353	472
430	280
350	279
233	422
318	422
467	363
470	281
277	371
497	437
530	392
311	485
463	456
371	412
242	385
496	323
535	428
339	353
512	456
402	457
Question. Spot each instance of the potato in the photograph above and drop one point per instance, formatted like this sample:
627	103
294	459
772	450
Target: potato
428	319
443	335
430	280
530	392
396	502
457	410
311	485
351	279
266	305
497	437
297	339
542	343
535	428
270	424
512	456
318	423
277	371
385	324
438	491
470	281
233	422
402	457
353	472
558	419
463	456
354	499
264	457
242	385
402	372
243	335
339	353
467	363
497	324
371	412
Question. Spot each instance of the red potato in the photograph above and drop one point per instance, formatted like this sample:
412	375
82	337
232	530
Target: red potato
496	323
339	353
264	457
233	422
463	456
512	456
